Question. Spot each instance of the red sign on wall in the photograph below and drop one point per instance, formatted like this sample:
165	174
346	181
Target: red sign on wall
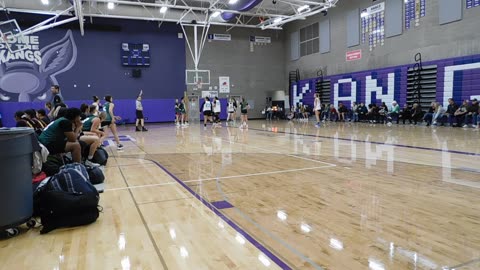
353	55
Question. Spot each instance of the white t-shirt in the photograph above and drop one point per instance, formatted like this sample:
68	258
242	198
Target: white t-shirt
138	105
318	105
98	108
231	107
207	106
218	107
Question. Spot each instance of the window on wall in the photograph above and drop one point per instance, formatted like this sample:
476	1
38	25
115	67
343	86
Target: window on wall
309	43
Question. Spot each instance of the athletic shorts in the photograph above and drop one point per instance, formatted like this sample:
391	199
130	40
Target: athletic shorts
56	147
106	123
231	111
207	113
139	114
244	112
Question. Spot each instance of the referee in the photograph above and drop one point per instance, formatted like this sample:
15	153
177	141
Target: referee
139	113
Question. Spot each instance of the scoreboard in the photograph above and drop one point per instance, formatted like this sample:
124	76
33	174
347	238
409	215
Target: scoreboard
135	54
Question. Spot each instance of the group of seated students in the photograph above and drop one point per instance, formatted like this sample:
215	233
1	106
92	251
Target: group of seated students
66	130
465	115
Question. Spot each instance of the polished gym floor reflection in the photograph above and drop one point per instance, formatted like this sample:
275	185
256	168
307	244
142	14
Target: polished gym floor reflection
277	196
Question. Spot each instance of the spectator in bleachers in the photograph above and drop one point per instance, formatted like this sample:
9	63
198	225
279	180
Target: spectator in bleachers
355	109
429	115
42	115
471	115
438	114
451	109
60	136
417	113
57	97
405	114
461	112
342	112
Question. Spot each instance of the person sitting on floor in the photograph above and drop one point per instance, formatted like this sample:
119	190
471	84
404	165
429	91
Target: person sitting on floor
405	114
60	136
471	114
362	112
429	115
355	110
451	109
461	112
394	111
333	113
417	113
438	114
342	112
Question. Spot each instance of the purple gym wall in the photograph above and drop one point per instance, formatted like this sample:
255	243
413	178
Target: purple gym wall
90	65
456	77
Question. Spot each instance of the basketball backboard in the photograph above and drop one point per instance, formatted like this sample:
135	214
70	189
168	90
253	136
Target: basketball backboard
10	33
197	77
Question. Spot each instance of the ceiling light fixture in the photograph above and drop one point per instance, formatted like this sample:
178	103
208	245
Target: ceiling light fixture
163	10
110	5
277	20
303	8
232	2
45	2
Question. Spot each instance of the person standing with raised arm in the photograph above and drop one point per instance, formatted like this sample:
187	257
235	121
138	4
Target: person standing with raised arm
139	113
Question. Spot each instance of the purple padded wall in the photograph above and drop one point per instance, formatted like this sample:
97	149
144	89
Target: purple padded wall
456	77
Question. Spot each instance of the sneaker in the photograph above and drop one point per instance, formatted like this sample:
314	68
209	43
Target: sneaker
144	129
465	126
317	125
137	129
119	146
91	164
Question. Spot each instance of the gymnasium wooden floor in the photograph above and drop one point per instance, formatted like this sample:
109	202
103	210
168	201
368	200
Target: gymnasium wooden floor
277	196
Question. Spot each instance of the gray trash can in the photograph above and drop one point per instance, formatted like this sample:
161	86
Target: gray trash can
16	196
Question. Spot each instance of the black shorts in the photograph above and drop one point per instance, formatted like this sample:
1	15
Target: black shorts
106	123
207	113
244	112
139	114
56	147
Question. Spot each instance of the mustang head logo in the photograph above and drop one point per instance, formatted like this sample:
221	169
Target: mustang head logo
31	81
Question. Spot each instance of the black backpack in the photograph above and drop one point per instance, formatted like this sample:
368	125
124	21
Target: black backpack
67	199
100	156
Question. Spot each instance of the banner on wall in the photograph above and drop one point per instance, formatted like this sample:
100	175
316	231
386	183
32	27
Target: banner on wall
209	94
260	39
373	25
353	55
224	84
220	37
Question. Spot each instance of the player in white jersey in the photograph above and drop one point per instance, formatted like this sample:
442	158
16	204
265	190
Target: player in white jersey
207	111
217	109
317	107
231	108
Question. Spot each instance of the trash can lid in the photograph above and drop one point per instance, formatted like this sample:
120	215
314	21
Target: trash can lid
7	133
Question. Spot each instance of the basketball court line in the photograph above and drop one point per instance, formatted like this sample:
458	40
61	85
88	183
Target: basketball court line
274	152
264	230
462	264
224	177
227	220
379	143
